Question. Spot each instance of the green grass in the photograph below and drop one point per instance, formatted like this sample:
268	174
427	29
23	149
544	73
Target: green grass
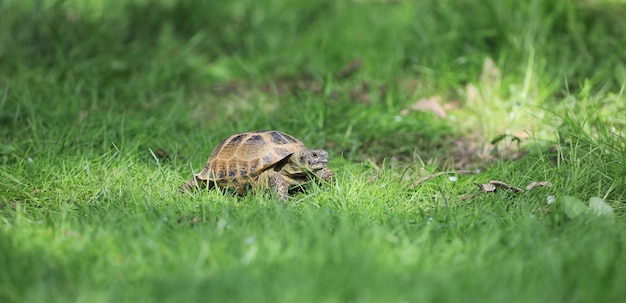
108	106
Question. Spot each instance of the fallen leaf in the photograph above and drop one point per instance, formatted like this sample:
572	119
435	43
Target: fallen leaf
501	184
495	184
432	104
535	184
487	187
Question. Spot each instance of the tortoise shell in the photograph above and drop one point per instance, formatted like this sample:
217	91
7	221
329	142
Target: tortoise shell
239	159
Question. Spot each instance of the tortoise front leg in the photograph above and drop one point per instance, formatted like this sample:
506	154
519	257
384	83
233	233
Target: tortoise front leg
276	183
325	174
280	185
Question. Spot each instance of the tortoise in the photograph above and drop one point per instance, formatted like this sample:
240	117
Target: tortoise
259	160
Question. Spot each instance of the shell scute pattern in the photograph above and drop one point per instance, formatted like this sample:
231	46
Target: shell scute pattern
268	159
282	151
255	140
232	171
254	164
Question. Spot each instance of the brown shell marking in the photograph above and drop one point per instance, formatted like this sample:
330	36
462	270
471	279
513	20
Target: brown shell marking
240	158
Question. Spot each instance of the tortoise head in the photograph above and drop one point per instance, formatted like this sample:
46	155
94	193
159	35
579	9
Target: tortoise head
310	159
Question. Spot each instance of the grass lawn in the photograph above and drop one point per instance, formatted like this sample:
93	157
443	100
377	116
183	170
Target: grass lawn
107	107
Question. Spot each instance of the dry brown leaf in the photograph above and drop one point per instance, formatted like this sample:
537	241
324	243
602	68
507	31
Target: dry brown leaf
486	187
493	185
535	184
503	185
432	104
